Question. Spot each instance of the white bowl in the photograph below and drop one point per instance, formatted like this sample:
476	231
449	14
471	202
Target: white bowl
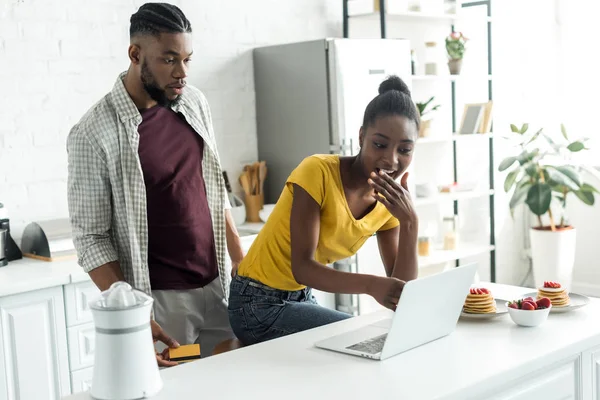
528	317
266	211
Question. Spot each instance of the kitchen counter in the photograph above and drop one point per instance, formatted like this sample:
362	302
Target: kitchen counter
482	359
29	274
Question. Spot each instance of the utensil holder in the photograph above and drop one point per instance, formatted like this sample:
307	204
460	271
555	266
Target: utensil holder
253	206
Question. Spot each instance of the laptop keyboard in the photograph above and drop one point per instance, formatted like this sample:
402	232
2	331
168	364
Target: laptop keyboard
371	346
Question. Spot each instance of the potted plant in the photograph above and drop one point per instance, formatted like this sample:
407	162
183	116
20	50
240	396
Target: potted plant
455	46
544	181
425	126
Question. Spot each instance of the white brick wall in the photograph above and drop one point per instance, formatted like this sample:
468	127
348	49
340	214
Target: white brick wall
57	58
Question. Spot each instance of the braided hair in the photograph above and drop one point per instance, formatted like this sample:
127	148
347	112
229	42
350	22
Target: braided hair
394	99
156	18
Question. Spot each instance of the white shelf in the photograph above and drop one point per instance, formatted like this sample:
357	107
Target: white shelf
441	197
462	251
455	137
416	15
449	78
407	15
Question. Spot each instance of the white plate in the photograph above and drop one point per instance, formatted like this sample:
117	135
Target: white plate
500	310
577	301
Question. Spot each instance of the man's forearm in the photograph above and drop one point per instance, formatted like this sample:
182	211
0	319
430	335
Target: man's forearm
234	244
406	265
107	274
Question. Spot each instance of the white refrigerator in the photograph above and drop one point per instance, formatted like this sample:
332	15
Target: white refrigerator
310	99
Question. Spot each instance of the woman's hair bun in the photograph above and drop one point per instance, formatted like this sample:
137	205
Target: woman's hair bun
393	82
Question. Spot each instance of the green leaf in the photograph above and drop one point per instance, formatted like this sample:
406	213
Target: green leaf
506	163
519	195
539	197
585	196
589	188
562	179
552	143
535	136
531	170
558	188
524	128
510	180
564	131
570	173
576	146
514	128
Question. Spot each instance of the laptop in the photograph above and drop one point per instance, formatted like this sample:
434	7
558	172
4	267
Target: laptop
428	309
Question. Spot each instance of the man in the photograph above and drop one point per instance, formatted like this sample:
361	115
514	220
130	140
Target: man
147	199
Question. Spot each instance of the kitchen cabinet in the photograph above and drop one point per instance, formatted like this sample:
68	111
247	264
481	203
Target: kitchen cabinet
561	381
480	360
34	362
80	333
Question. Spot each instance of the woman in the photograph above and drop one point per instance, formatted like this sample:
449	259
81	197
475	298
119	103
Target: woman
329	207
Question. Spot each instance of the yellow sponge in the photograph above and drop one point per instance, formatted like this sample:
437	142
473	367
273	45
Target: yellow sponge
185	353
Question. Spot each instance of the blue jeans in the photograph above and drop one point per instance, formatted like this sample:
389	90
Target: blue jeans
258	313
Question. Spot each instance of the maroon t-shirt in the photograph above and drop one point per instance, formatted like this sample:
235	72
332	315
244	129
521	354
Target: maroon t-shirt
181	248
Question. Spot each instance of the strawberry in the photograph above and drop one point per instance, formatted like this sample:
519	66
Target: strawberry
551	285
517	303
513	305
531	299
479	291
544	302
527	305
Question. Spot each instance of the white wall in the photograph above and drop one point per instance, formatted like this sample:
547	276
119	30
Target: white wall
527	88
57	58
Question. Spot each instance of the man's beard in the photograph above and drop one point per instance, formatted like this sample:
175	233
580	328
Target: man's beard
154	91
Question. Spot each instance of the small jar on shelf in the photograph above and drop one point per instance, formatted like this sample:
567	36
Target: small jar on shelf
431	58
451	232
425	240
424	246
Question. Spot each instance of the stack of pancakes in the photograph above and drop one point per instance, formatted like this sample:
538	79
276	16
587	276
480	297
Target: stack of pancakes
558	297
479	303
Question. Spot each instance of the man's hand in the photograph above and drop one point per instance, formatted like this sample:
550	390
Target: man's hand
234	244
234	267
159	335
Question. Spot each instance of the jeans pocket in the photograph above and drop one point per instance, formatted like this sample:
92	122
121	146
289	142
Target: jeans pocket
237	318
266	309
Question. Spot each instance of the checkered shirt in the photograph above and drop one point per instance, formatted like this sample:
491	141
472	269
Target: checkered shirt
106	189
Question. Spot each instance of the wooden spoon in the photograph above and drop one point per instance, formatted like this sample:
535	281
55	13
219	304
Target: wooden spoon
262	174
244	181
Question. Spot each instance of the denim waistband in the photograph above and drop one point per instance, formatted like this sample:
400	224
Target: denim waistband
248	286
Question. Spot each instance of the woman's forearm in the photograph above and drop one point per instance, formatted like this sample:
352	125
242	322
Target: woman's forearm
320	277
406	265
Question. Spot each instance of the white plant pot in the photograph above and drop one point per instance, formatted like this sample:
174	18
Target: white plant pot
553	256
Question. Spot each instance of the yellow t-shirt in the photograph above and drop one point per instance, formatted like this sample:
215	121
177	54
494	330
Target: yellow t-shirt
341	235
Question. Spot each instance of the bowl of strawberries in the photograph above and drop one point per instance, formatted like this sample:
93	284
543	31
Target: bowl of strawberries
528	311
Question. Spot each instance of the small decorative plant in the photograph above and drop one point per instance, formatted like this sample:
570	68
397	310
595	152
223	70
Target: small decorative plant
539	182
422	107
455	45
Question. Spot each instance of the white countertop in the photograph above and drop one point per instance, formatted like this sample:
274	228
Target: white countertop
30	274
475	359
